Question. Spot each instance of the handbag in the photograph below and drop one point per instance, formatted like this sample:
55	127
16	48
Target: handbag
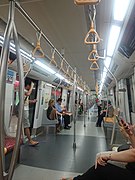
84	2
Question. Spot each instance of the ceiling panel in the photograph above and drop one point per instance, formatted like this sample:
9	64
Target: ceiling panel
66	25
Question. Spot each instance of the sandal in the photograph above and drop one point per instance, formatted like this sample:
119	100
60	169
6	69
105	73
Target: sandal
33	143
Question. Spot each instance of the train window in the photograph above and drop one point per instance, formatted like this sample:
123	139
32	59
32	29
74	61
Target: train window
128	81
127	45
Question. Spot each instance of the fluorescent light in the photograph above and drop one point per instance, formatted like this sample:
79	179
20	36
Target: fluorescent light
45	67
80	88
120	9
50	85
12	47
107	62
113	37
59	76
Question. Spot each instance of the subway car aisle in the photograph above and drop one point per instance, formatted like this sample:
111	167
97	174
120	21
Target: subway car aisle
55	157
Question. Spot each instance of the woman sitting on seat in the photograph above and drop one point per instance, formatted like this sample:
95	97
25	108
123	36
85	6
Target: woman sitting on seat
51	111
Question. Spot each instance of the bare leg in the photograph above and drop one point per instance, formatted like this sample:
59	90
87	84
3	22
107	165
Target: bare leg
27	132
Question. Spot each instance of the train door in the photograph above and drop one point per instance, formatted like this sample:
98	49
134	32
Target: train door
64	97
40	105
31	105
48	90
11	121
130	95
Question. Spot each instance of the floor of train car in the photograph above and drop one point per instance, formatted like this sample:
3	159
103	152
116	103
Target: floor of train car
55	157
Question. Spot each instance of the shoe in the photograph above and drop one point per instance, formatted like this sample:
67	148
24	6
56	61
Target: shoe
58	130
67	128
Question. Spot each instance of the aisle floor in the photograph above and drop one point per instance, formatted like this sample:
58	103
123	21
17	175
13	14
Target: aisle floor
55	156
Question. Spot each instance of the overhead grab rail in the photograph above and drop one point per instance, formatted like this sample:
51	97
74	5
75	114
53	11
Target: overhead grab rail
92	36
93	56
86	2
10	29
38	49
27	68
35	26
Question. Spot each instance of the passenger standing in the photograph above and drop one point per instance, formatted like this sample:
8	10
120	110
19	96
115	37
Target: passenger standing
101	116
99	109
27	92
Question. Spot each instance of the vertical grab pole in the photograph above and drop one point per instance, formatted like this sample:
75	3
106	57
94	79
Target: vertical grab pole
117	90
4	58
21	103
84	106
3	73
73	109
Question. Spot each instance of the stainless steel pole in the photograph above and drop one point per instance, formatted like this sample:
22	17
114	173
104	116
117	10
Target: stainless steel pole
84	106
21	104
73	109
117	91
3	74
4	59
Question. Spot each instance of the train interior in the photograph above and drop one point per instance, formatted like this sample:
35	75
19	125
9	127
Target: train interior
79	53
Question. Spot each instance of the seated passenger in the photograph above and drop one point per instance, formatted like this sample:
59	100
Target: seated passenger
102	170
51	111
63	113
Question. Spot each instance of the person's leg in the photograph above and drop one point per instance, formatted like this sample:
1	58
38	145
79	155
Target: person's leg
100	119
106	172
26	125
66	121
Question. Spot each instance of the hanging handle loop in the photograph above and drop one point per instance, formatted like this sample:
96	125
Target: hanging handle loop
92	36
53	59
38	48
62	66
85	2
93	56
94	66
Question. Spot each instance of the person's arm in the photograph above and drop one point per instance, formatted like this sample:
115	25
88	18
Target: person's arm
123	156
30	90
58	113
130	131
33	101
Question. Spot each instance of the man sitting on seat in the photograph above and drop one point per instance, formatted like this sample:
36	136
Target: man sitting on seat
63	113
